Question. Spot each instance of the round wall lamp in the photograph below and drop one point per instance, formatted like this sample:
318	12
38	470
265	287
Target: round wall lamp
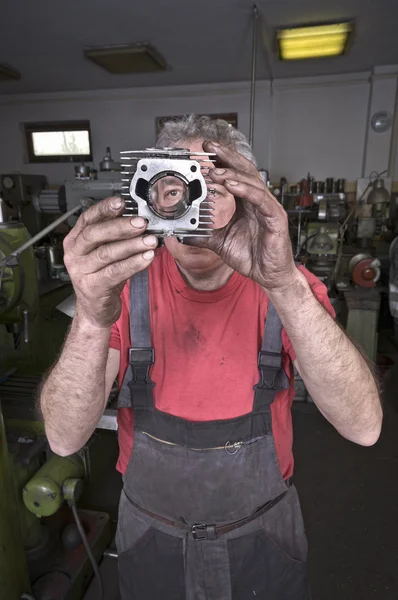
381	121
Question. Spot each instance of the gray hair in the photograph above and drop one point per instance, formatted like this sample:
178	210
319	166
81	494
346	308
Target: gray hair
195	127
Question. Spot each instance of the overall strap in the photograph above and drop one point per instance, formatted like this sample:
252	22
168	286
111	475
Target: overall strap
137	388
272	376
141	354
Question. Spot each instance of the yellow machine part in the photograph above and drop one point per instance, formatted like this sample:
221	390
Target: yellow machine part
18	285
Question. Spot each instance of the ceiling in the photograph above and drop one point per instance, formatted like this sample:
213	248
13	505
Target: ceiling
206	41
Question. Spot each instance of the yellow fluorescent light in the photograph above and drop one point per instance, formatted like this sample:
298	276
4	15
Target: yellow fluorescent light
313	42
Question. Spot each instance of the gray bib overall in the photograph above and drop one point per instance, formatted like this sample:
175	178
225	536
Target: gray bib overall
205	513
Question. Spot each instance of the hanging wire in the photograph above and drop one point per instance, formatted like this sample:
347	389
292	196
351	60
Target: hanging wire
88	550
253	79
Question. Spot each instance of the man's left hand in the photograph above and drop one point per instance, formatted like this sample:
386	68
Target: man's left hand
256	241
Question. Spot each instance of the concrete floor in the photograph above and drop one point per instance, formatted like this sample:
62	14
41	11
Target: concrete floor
349	498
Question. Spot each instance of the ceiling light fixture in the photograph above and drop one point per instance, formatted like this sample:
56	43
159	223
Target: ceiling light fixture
314	41
127	58
7	73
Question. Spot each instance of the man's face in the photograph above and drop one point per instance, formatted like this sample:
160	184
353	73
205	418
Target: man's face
190	257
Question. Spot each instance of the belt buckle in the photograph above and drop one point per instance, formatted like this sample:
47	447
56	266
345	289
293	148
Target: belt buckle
196	529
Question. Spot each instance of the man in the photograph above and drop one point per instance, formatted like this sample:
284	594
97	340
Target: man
208	509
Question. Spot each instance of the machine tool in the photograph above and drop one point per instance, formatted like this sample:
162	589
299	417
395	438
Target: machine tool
20	202
364	270
358	284
47	547
108	164
27	205
53	563
90	190
38	496
167	187
343	239
320	241
18	275
31	253
87	186
18	281
379	199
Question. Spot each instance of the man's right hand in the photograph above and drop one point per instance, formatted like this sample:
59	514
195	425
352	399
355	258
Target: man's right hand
102	251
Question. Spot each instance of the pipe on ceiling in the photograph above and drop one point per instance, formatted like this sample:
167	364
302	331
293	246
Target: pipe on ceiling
394	139
253	78
266	45
365	148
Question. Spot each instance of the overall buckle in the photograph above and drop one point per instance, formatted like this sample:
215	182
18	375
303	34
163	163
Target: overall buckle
269	364
201	532
141	360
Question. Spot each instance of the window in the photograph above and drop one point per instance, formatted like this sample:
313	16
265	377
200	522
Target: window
58	141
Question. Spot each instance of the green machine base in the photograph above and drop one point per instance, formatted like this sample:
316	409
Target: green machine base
63	574
43	555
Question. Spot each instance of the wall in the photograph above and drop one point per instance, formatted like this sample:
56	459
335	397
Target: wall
379	146
314	124
320	127
123	120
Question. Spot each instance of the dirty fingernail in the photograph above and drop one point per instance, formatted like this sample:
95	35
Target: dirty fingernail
232	182
219	171
148	255
116	203
149	240
138	222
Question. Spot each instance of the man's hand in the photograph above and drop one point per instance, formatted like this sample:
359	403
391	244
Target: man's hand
102	251
256	242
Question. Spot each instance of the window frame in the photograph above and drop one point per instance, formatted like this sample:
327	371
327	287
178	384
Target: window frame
30	128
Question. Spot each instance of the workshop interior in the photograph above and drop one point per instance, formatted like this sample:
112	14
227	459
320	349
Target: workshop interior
84	90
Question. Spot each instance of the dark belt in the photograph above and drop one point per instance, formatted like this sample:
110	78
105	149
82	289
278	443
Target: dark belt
201	531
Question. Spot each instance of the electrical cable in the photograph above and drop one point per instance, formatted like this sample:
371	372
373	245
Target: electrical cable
299	220
88	549
378	175
304	244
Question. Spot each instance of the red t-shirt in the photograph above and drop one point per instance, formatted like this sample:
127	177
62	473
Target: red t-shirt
206	346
